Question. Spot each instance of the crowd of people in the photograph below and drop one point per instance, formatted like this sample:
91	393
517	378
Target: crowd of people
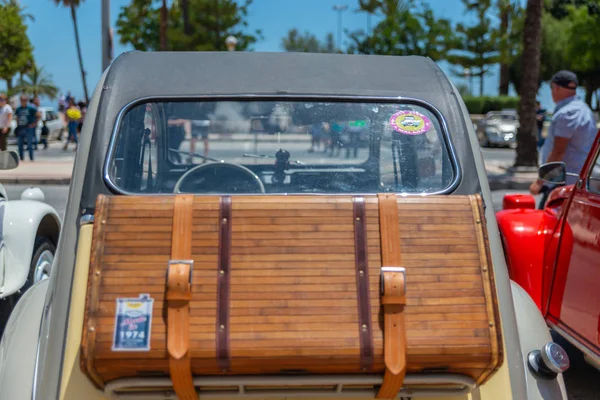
28	119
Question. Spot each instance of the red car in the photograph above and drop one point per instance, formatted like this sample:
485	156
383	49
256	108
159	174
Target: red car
554	253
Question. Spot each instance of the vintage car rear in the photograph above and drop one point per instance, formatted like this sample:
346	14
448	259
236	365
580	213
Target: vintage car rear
325	230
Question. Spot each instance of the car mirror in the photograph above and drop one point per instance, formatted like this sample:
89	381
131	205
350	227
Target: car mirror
9	159
553	172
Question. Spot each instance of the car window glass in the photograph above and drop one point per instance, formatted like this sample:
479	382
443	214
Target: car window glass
280	147
594	179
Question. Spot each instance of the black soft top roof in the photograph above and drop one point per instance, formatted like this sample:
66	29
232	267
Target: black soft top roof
137	75
214	73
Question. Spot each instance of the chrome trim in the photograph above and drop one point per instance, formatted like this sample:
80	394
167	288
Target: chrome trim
86	219
188	262
463	385
265	97
569	338
402	270
41	344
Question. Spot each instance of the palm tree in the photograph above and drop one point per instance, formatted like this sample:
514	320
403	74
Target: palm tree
532	43
38	83
17	3
73	4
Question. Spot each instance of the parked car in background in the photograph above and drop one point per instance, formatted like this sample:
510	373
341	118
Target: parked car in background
29	231
554	253
53	122
498	128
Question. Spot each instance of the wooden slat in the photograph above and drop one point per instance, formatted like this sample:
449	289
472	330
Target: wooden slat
293	294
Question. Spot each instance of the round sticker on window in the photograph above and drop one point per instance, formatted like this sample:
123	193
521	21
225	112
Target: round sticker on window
410	122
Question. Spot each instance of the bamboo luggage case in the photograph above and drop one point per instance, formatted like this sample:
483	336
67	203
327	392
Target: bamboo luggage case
292	285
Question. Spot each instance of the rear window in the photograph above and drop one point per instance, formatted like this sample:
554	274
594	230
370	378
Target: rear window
296	147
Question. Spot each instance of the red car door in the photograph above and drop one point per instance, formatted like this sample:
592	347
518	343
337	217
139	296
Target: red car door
575	296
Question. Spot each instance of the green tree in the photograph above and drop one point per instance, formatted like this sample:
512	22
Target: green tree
15	49
559	9
210	22
73	4
307	43
38	83
583	42
16	3
476	45
532	43
407	28
138	24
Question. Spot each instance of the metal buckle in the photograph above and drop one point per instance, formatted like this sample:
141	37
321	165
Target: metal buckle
393	269
190	262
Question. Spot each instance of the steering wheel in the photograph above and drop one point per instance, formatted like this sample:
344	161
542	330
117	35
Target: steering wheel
219	178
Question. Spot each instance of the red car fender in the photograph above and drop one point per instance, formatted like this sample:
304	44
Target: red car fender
523	237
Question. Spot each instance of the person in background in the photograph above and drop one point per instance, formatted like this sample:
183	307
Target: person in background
540	114
317	131
6	113
35	103
73	115
571	133
44	135
26	124
83	108
199	128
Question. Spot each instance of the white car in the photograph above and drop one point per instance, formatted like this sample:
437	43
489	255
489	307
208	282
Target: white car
29	231
53	121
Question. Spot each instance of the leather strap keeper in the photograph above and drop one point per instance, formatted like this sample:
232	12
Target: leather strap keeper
177	298
393	300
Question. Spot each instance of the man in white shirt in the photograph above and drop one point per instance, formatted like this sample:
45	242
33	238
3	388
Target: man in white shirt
6	113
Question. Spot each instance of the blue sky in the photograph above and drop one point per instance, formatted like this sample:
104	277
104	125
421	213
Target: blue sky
54	45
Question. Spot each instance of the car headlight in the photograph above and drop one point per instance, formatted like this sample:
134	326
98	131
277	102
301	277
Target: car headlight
33	193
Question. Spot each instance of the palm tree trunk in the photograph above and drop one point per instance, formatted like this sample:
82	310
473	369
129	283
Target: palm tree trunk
74	17
185	11
532	39
163	25
504	78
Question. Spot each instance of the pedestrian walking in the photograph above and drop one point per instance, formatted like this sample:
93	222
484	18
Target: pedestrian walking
35	103
540	116
571	133
317	132
26	123
199	129
83	109
44	135
6	113
73	115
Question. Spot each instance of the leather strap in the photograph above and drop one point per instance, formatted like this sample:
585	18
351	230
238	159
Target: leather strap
392	299
223	283
178	296
365	332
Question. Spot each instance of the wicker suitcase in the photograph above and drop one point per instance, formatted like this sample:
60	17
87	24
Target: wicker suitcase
289	285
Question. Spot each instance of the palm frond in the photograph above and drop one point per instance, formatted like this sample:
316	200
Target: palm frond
38	83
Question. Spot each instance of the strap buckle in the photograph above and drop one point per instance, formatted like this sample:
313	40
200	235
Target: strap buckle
401	270
189	262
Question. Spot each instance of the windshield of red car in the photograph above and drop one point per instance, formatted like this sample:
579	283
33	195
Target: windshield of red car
279	147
